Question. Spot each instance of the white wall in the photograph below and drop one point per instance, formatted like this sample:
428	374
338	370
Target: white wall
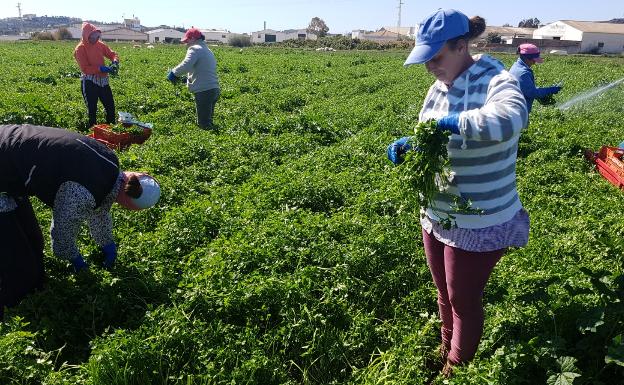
222	36
161	36
296	35
560	30
260	36
123	34
612	43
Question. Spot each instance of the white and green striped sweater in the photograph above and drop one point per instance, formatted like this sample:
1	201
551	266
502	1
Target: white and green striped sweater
493	113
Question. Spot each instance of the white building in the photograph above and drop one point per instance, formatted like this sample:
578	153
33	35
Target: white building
164	35
385	34
111	32
409	32
381	36
123	34
273	36
134	24
298	34
594	37
216	35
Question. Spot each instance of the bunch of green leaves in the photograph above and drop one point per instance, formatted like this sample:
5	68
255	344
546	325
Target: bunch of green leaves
428	160
133	129
425	171
114	69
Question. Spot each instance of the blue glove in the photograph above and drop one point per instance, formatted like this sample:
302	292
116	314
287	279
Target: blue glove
397	149
553	89
172	77
79	264
105	69
449	123
110	255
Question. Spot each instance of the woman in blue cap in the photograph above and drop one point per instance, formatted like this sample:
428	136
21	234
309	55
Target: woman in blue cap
480	106
80	179
521	70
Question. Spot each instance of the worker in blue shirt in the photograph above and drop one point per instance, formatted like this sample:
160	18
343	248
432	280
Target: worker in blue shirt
521	70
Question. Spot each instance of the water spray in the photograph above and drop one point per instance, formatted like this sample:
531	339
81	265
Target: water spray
588	94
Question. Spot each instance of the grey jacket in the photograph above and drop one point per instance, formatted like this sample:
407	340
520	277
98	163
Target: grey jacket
201	66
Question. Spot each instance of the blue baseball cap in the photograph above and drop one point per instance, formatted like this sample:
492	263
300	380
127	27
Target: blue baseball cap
434	31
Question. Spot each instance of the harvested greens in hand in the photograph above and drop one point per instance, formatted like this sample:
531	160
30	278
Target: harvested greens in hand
425	171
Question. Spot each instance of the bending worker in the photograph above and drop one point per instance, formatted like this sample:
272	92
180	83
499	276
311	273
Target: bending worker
521	70
79	178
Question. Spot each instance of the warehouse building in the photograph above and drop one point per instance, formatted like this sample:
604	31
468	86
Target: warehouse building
595	37
164	35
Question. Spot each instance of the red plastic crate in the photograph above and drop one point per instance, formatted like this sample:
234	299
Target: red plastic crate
118	140
609	163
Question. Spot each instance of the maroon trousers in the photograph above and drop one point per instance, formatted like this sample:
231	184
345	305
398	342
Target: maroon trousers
460	277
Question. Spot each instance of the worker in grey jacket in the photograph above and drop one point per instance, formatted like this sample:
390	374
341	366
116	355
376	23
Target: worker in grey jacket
201	66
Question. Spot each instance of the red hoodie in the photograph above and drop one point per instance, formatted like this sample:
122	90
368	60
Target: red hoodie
91	56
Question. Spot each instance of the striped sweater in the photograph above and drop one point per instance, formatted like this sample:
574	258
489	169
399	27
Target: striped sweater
482	157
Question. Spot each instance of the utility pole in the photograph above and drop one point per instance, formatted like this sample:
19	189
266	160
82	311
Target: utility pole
399	21
20	22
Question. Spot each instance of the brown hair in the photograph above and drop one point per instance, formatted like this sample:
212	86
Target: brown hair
476	26
133	187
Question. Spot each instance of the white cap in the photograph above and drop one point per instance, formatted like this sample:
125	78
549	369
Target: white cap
151	192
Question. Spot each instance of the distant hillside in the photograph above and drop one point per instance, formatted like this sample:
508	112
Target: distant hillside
15	25
616	21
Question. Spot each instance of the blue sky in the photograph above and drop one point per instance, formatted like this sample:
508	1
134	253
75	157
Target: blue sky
340	15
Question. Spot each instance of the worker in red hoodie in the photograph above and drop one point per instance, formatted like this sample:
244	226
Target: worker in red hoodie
90	54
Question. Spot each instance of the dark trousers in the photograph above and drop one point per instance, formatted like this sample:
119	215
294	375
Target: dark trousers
91	93
21	256
205	104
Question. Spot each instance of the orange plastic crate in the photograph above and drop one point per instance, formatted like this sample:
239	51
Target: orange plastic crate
609	164
118	140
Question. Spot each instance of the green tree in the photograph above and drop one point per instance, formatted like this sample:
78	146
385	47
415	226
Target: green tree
239	41
318	27
529	23
493	38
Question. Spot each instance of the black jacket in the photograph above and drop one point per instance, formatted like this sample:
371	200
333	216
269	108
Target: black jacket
36	160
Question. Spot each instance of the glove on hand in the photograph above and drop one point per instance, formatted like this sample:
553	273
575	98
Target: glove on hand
449	123
114	68
553	89
105	69
79	264
172	77
397	149
110	255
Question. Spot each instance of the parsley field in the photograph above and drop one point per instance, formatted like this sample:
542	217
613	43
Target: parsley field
285	250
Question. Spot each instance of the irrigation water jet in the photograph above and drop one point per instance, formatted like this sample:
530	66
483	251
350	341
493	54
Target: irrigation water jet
589	94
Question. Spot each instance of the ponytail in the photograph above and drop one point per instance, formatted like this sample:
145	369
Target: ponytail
476	26
133	187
